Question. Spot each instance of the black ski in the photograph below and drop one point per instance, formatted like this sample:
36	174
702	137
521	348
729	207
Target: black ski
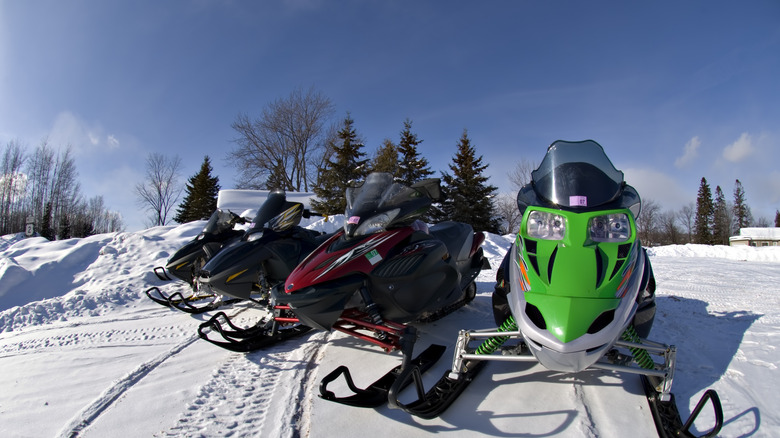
161	300
667	418
184	304
249	339
376	394
440	397
160	272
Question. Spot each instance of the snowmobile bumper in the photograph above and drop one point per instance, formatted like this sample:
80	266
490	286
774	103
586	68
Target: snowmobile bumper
321	306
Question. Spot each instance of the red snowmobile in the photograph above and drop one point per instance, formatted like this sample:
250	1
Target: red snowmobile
385	269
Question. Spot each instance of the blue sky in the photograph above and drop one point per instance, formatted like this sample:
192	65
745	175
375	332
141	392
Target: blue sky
674	91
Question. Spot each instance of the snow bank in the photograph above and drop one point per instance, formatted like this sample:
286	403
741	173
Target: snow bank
743	253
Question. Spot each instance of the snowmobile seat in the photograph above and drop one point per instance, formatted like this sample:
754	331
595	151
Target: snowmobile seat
456	236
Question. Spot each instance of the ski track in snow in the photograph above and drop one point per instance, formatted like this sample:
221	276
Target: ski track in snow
91	412
249	394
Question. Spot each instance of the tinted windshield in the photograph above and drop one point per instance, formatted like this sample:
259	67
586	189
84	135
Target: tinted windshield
577	174
379	192
218	222
270	208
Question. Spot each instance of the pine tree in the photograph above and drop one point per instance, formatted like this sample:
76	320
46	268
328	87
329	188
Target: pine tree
46	229
202	191
721	228
411	166
64	231
704	214
468	197
742	215
777	218
386	158
343	169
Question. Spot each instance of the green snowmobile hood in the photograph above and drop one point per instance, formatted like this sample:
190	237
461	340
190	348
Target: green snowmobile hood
575	279
568	318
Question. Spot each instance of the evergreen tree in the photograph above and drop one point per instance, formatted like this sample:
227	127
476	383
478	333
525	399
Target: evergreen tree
64	231
777	218
467	196
721	228
202	191
386	158
411	166
46	229
343	169
704	214
742	215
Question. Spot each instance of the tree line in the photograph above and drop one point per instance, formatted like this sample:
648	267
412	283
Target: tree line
292	146
41	188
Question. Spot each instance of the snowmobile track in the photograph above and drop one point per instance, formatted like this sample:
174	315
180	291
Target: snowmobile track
247	386
90	413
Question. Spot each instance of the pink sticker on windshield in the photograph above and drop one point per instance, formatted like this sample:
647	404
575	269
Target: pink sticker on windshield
353	220
578	201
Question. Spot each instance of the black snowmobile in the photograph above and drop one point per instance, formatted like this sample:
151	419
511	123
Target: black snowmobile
576	291
385	269
186	263
248	268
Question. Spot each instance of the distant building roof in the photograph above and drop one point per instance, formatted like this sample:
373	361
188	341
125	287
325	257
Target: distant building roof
751	236
760	233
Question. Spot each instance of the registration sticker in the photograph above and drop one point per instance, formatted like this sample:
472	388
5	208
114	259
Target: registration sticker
353	220
373	257
578	201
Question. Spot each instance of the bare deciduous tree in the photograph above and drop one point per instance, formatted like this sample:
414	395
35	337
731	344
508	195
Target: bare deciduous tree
286	144
506	208
685	216
13	185
670	233
161	189
647	222
521	174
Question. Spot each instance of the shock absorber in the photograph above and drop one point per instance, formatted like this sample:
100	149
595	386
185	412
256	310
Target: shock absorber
490	345
372	310
641	356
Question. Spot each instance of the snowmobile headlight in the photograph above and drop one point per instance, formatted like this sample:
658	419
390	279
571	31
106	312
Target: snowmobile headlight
376	223
546	226
609	228
254	236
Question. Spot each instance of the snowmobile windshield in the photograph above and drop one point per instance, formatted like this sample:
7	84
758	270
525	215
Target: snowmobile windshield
379	203
577	175
219	222
272	206
378	192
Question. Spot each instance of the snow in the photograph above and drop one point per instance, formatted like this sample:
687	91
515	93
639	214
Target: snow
83	352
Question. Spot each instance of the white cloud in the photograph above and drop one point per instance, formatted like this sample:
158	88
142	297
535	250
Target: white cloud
658	186
740	149
83	137
690	152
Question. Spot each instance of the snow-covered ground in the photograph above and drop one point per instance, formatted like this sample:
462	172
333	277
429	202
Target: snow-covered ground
84	352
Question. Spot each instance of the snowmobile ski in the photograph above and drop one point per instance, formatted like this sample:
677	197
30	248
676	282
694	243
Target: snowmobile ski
160	299
178	301
432	403
244	340
376	394
161	273
667	417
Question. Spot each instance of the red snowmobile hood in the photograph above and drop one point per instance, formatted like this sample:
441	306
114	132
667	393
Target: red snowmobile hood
324	265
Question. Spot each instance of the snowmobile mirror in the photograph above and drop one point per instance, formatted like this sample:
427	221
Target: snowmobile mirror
430	187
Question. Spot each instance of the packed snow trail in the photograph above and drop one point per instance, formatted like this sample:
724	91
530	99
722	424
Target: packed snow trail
91	412
103	360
